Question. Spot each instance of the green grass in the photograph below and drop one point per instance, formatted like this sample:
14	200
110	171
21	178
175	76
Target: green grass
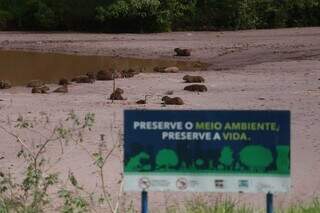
223	207
313	207
200	206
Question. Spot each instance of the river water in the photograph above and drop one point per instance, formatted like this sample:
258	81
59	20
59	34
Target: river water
20	67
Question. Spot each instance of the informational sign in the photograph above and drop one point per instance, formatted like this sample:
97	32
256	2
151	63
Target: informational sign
207	151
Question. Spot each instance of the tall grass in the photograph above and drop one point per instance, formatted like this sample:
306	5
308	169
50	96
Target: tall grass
313	207
199	204
228	206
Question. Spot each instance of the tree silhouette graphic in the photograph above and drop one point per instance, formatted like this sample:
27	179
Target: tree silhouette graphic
166	159
139	162
226	156
257	158
283	160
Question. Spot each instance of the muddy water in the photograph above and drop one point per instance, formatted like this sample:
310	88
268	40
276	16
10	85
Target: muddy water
20	67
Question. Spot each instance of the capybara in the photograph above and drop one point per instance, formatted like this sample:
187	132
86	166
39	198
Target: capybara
182	52
5	84
193	79
103	75
91	75
42	90
196	88
82	79
166	69
63	89
128	73
117	95
159	69
172	101
63	81
141	101
35	83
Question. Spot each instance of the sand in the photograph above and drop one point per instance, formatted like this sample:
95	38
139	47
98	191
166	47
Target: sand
265	69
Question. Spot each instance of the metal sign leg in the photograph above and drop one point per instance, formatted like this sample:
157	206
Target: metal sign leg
269	203
144	202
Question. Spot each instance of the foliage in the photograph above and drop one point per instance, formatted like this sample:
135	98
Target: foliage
5	16
36	190
312	207
200	205
156	15
72	203
143	15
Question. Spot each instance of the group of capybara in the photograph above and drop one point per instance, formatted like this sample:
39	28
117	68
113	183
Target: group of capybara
40	87
37	86
193	88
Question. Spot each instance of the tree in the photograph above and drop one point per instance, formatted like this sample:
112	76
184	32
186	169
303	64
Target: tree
5	16
134	15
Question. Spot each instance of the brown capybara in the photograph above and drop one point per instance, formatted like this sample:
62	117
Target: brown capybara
128	73
193	79
172	101
117	94
63	89
159	69
38	90
141	101
103	75
5	84
166	69
82	79
35	83
182	52
91	75
196	88
63	81
42	90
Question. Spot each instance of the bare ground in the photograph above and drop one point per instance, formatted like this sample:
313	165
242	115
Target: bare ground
223	50
265	69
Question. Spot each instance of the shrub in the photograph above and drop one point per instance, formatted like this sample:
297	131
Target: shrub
157	15
133	15
5	16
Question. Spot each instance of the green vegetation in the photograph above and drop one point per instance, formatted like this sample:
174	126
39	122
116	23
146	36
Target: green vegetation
41	188
156	15
199	205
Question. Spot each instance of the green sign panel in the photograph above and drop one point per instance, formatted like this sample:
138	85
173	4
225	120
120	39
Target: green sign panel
220	151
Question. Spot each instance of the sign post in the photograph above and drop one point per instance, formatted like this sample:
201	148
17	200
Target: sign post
144	202
207	151
269	203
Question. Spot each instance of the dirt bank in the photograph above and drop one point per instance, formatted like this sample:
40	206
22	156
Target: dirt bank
223	50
